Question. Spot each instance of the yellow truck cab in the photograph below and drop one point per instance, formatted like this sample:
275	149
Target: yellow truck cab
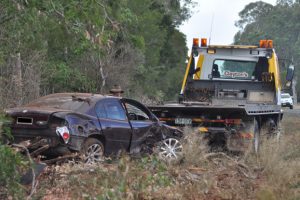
230	92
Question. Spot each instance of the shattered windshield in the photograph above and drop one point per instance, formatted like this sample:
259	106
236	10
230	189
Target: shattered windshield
233	69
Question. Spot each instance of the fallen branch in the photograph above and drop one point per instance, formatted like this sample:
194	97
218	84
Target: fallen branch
40	150
209	155
38	143
197	169
34	183
241	165
61	158
246	175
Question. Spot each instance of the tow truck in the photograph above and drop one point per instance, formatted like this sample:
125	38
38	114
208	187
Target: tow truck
231	93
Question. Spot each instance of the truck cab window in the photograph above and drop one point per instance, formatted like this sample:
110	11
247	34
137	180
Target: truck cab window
233	69
261	66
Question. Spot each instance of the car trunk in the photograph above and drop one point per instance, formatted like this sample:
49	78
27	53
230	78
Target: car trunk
34	123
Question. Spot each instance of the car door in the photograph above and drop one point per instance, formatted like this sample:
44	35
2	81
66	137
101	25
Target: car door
114	124
142	121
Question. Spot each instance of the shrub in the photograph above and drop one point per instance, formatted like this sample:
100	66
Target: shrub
10	166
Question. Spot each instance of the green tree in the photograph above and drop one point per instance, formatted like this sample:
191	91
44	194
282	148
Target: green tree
88	46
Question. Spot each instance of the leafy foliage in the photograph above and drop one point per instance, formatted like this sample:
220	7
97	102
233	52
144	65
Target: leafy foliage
88	46
9	176
10	167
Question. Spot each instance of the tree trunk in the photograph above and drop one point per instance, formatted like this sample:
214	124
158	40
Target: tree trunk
17	81
294	84
103	78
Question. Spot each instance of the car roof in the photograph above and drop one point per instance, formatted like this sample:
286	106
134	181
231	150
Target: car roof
68	97
69	94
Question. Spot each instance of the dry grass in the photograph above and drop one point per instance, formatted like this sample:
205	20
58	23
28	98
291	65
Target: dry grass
280	163
274	174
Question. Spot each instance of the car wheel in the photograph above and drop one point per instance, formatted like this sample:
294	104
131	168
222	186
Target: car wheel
170	149
291	107
93	151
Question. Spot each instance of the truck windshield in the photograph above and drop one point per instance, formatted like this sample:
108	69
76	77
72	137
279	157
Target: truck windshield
285	96
233	69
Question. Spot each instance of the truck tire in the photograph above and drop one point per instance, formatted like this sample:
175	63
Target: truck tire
264	132
92	151
256	140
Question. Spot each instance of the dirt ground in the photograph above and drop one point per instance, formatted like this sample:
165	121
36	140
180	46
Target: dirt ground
273	174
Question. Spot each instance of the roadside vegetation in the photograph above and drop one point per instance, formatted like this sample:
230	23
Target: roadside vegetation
11	166
89	46
201	174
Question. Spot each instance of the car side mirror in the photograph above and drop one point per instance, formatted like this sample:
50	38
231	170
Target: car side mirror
289	75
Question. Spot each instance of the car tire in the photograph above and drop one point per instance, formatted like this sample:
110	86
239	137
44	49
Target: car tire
169	149
92	151
291	107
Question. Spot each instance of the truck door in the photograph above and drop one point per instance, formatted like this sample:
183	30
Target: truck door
114	123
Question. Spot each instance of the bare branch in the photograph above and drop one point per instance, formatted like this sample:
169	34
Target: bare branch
105	12
34	183
59	13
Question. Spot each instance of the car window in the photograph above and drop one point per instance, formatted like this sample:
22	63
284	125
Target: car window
100	110
110	110
136	113
114	111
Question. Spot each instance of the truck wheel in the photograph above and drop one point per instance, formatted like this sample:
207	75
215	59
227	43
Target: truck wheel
266	131
256	141
170	149
93	151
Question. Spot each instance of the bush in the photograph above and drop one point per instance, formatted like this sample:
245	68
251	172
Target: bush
10	166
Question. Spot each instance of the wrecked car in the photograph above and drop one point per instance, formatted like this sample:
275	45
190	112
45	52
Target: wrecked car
93	125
